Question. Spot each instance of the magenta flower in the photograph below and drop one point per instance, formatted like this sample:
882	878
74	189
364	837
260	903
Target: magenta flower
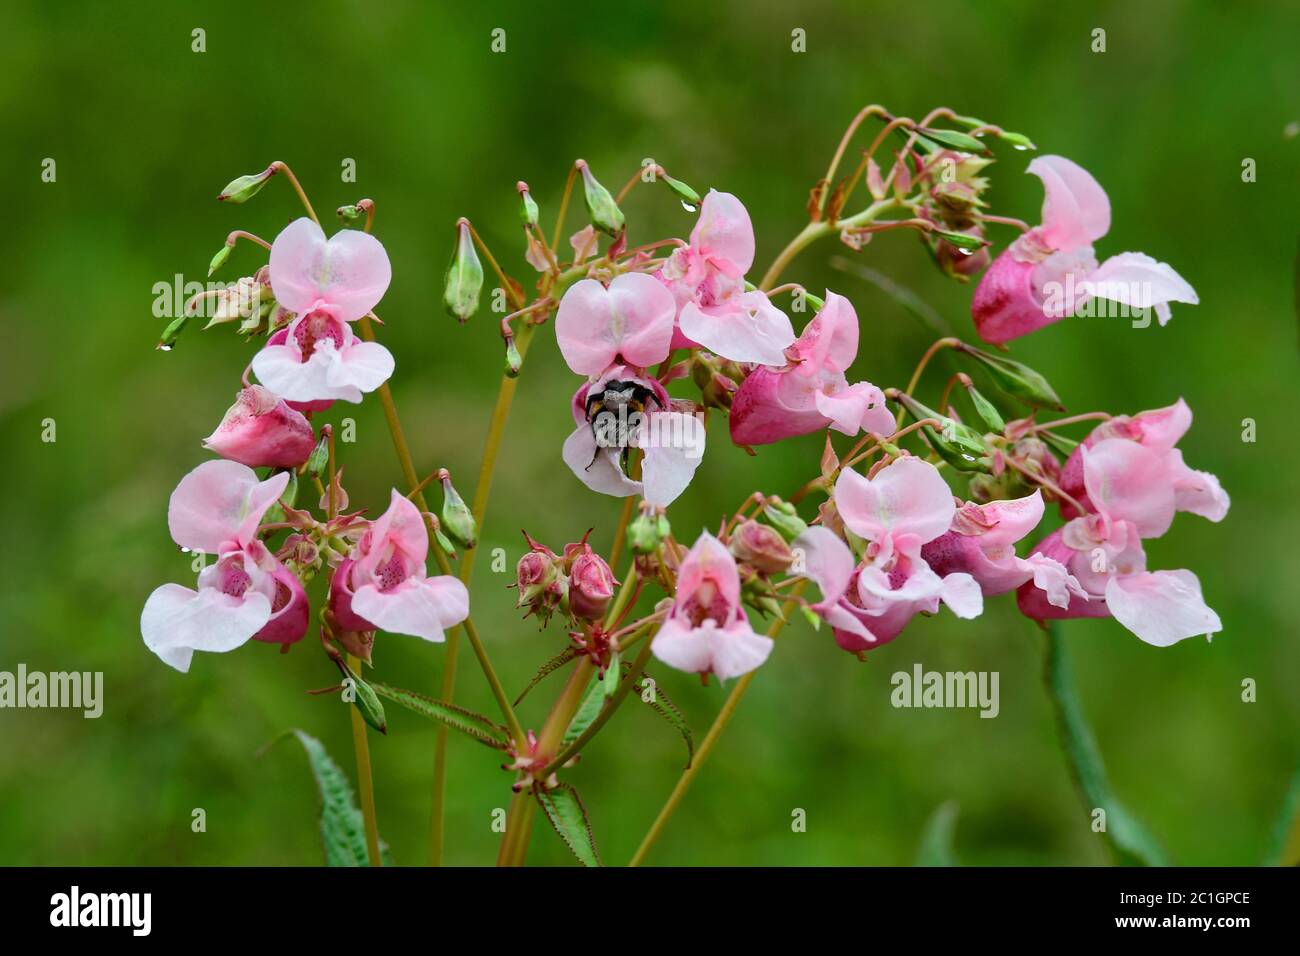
906	505
672	441
629	322
261	430
707	279
1106	556
1051	271
981	543
810	391
383	586
246	594
1133	463
328	284
707	630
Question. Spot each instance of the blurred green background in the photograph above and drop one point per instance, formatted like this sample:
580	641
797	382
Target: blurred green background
145	132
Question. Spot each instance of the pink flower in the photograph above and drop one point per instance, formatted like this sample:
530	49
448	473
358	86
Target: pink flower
1160	607
707	630
672	441
246	594
827	561
383	585
811	392
260	430
981	543
707	279
1051	271
591	582
1139	474
328	284
906	505
630	322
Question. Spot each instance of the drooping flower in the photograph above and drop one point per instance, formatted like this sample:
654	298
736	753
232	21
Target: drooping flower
1133	463
328	284
707	630
672	441
630	321
1107	559
246	594
810	391
707	279
981	543
1051	271
383	585
906	505
261	430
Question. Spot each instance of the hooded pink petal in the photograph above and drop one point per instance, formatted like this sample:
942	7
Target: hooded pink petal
724	232
350	271
1005	306
746	327
260	430
1076	211
1128	482
830	341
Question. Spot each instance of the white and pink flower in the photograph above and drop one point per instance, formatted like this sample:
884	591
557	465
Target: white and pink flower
384	584
1051	271
328	284
810	392
246	594
707	630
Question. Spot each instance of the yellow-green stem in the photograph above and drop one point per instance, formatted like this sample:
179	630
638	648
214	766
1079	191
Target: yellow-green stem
711	738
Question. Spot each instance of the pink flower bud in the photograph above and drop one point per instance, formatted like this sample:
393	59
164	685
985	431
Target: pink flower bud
260	430
591	585
541	585
761	547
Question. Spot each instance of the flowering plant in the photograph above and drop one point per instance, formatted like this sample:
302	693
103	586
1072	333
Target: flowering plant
913	505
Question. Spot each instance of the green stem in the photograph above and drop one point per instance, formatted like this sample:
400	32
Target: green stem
815	230
1128	838
711	738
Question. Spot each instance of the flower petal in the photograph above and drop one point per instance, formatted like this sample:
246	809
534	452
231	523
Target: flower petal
859	407
745	328
1161	607
598	469
826	560
724	231
176	622
350	270
633	318
1128	482
1140	282
908	496
1075	208
674	448
419	606
218	502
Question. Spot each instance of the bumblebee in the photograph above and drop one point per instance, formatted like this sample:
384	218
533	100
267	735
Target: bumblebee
610	411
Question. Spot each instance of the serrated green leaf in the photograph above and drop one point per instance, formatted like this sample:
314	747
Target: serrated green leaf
554	664
455	717
666	709
592	701
565	811
342	827
936	839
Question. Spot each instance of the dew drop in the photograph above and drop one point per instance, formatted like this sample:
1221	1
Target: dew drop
1020	147
689	207
164	346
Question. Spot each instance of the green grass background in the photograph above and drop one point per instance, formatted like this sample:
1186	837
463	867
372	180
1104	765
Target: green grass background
145	132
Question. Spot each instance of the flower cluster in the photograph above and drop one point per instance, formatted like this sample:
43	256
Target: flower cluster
303	306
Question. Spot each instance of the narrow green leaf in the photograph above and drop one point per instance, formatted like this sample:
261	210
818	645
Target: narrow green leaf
554	664
936	839
342	828
592	701
910	302
457	718
1130	840
666	709
563	807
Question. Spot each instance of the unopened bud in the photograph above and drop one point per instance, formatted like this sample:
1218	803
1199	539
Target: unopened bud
591	586
646	531
682	191
601	207
956	443
219	259
350	213
1016	379
784	517
464	276
456	517
527	204
761	547
246	187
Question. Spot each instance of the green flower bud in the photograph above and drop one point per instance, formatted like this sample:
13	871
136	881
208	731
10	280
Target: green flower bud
527	205
219	259
514	361
464	276
987	410
601	207
1016	379
456	517
246	187
365	700
350	213
682	191
174	328
784	517
319	458
643	534
956	140
959	445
